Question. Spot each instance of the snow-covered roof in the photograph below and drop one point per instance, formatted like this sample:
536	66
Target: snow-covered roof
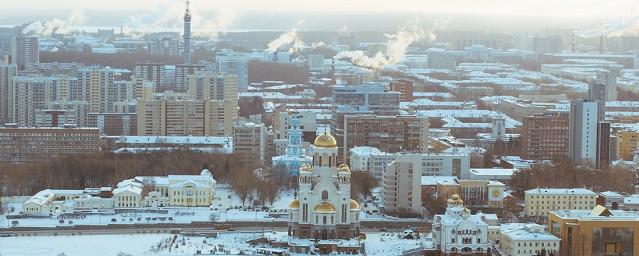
365	151
434	180
492	172
529	232
182	140
559	191
610	194
632	199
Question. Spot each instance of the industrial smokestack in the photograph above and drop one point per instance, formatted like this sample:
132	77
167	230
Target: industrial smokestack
601	44
572	43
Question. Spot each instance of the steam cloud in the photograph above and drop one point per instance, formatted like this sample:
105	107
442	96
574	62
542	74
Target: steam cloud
169	14
56	25
290	38
624	26
395	49
396	46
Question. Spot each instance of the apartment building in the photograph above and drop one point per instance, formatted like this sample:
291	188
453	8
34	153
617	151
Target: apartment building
166	117
26	145
391	134
546	136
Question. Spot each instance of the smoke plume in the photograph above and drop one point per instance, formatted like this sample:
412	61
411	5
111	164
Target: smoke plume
290	38
395	49
59	26
396	46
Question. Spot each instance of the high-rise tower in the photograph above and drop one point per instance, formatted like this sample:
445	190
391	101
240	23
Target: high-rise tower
187	34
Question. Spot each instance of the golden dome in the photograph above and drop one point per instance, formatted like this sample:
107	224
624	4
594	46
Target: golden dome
305	167
325	141
343	168
456	199
295	204
324	207
354	204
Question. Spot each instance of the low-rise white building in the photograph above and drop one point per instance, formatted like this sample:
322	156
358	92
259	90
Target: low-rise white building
539	201
137	193
172	190
60	201
529	239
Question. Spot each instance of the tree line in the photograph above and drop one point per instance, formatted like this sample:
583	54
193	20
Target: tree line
565	174
106	169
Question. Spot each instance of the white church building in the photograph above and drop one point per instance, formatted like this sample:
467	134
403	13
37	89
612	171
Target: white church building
324	208
459	232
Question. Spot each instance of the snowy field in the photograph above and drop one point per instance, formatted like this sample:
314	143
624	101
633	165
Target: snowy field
167	244
85	245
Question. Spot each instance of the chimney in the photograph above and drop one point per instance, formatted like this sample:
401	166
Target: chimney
572	43
601	44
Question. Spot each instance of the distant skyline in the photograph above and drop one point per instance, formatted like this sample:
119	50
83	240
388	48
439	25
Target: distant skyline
562	8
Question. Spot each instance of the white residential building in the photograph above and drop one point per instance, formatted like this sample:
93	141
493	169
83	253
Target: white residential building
360	158
401	185
429	164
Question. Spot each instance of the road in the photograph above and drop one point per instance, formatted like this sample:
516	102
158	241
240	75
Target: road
148	230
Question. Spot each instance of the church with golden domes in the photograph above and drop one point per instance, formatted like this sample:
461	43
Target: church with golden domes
323	208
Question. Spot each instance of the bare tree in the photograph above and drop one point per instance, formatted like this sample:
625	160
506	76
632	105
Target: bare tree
361	184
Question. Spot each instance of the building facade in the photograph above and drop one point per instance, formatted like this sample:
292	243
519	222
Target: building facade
539	201
588	142
403	86
595	232
627	143
27	145
529	239
165	117
249	142
391	134
402	189
546	136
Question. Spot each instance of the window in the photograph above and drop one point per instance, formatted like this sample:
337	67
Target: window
611	248
324	195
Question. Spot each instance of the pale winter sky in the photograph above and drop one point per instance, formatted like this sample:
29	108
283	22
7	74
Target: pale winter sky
557	8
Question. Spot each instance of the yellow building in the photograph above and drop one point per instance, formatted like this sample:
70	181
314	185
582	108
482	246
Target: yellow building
595	232
539	201
627	144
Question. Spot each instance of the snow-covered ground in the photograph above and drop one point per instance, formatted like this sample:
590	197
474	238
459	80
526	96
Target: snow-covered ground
391	244
85	245
226	207
167	244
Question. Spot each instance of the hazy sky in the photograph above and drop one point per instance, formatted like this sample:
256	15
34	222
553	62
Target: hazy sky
557	8
222	15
